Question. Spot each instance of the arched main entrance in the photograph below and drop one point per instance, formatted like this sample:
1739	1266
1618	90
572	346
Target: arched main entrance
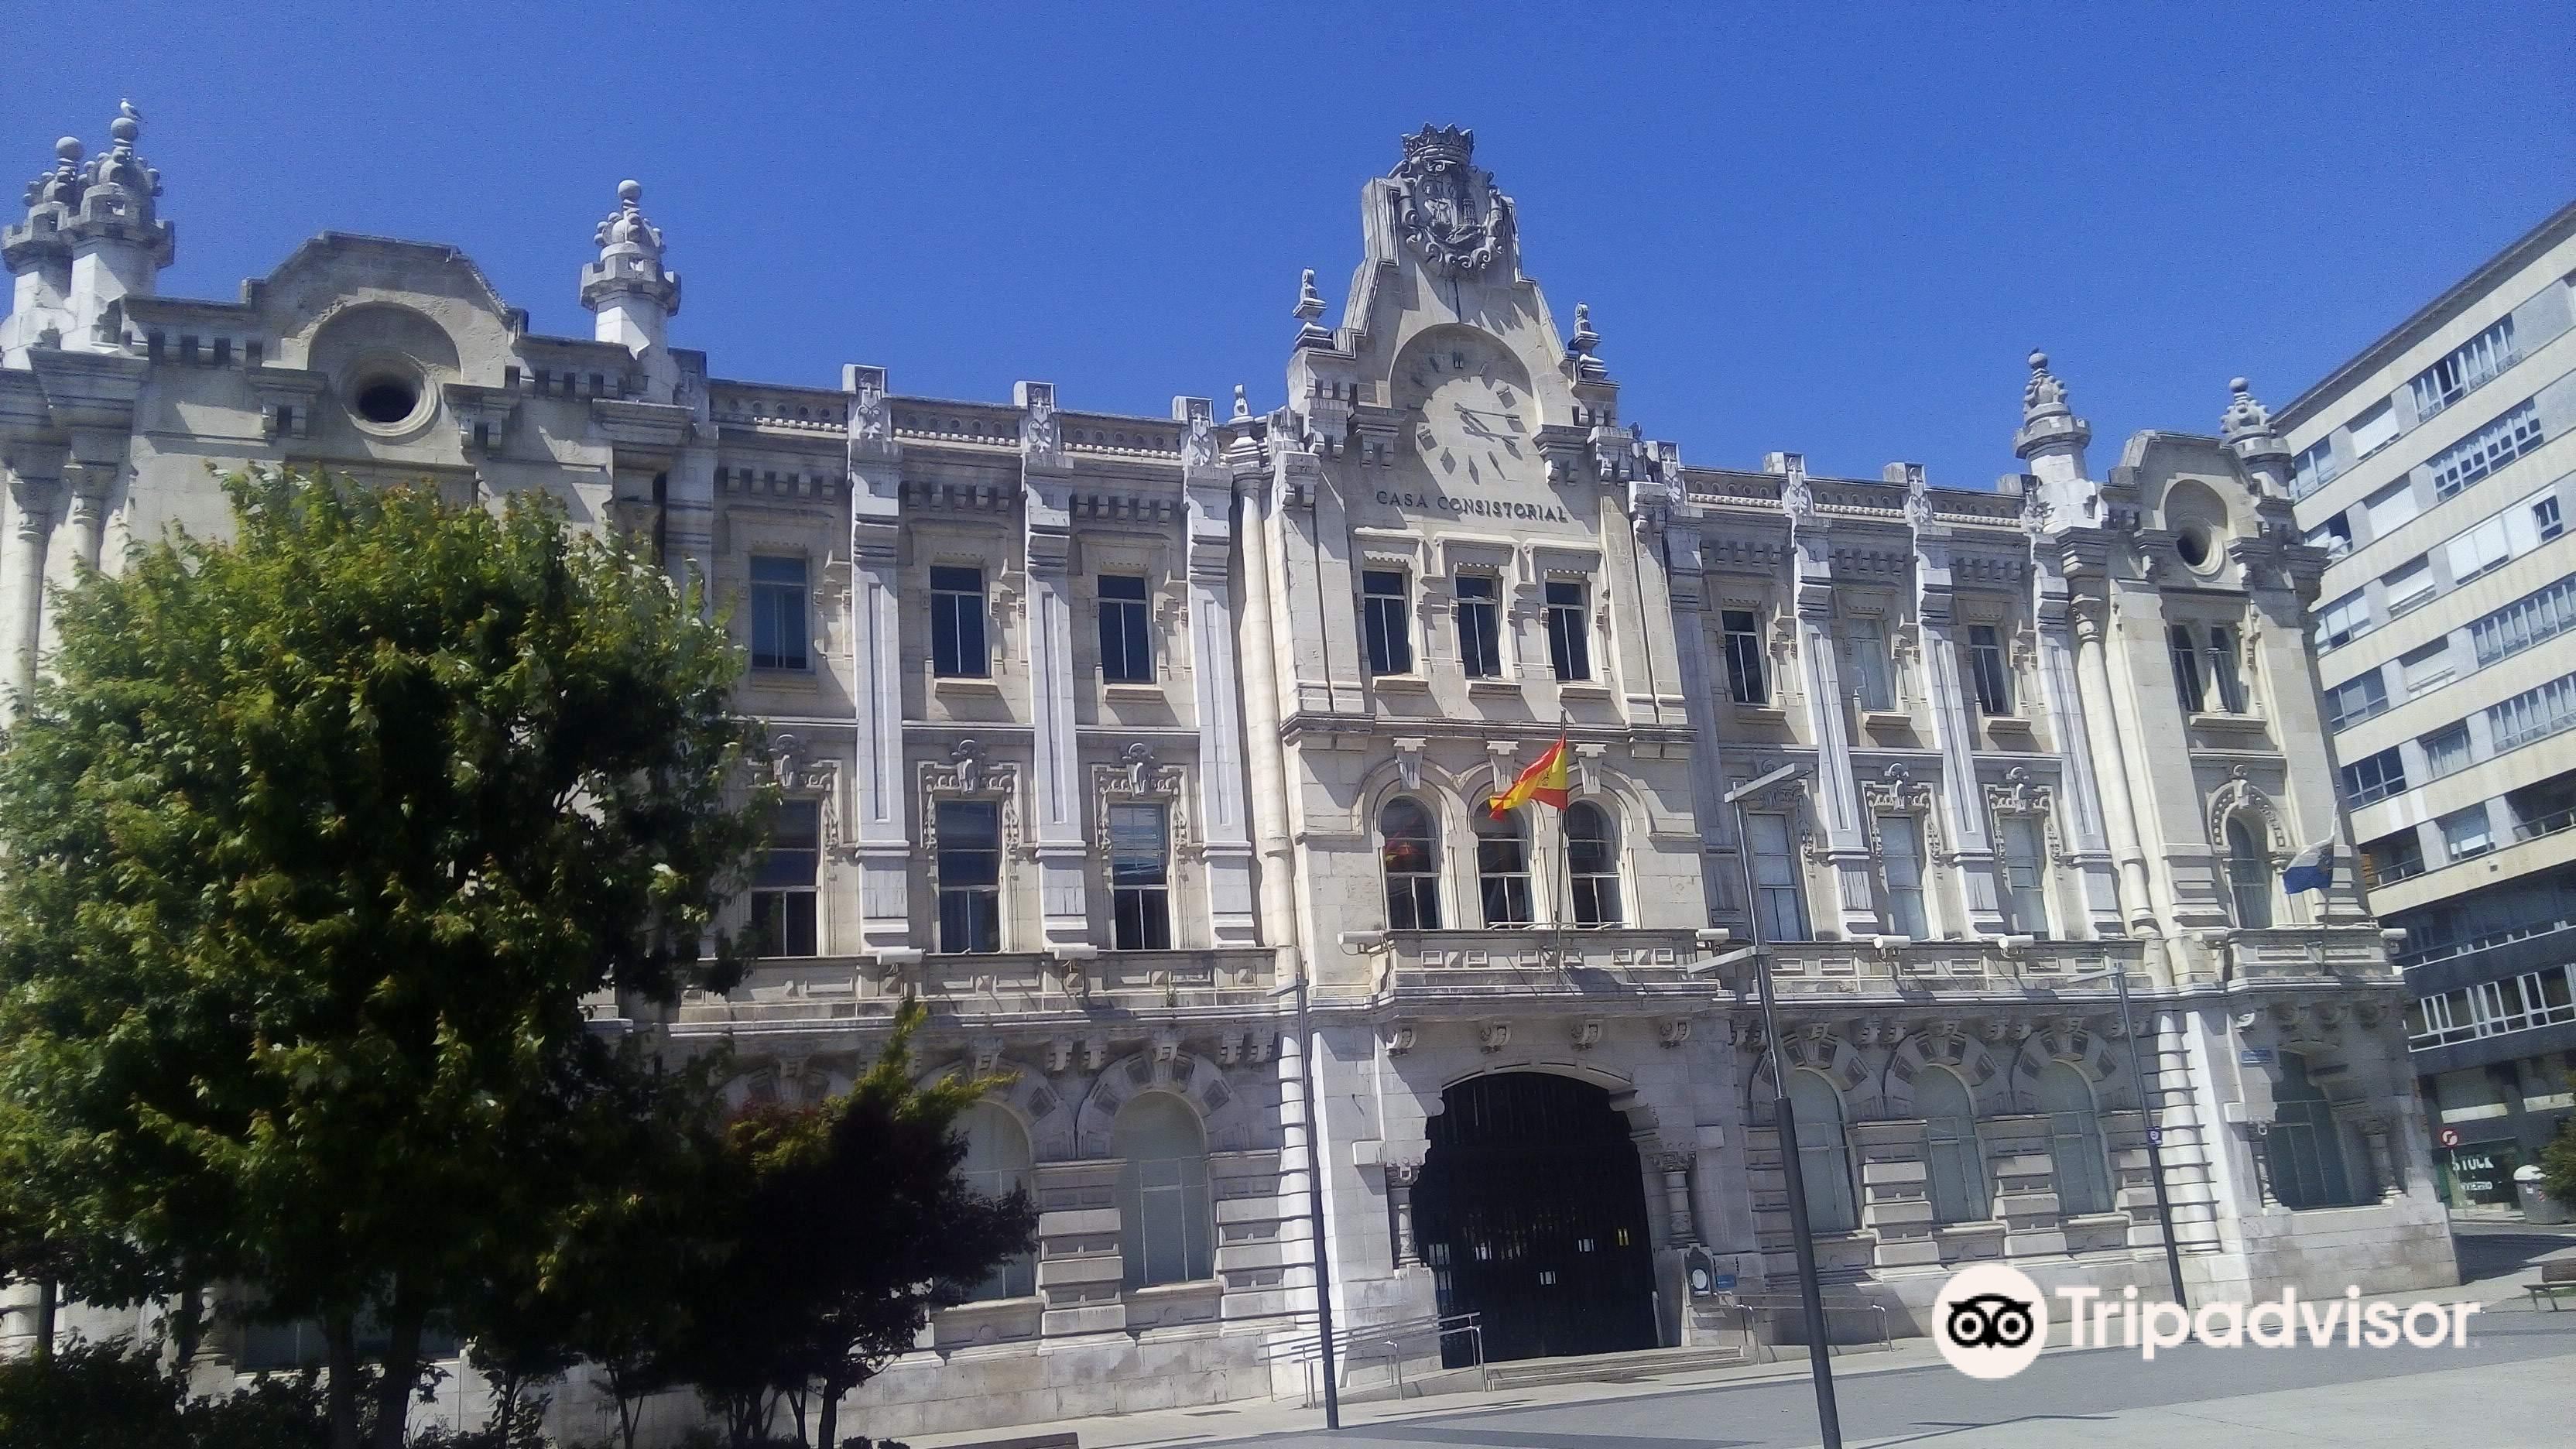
1531	1214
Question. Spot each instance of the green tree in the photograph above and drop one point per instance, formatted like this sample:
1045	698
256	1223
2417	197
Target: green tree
2558	1163
851	1225
318	841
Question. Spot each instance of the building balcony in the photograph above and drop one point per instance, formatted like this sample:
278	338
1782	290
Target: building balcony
1890	967
789	992
2548	842
1427	967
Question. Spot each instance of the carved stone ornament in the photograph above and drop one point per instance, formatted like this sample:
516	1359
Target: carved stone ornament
799	777
1897	792
870	421
967	775
2241	796
1494	1035
1198	434
1139	780
1449	210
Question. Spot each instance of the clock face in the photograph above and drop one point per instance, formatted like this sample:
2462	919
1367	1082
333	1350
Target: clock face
1474	413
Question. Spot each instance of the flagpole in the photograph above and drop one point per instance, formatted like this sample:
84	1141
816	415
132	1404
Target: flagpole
1561	879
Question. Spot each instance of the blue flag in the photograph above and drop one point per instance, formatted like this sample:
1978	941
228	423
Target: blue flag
2311	869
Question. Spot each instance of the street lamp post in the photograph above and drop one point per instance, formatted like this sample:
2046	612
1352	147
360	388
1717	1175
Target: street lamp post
1315	1198
1811	1295
2155	1133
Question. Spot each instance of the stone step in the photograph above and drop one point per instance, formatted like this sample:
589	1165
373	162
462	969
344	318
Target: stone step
1611	1368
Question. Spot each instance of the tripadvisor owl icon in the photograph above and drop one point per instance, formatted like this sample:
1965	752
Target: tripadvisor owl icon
1990	1321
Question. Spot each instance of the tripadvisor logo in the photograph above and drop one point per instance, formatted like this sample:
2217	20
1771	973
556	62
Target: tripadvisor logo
1990	1322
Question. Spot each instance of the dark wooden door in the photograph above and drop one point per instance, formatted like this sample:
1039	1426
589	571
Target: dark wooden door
1532	1215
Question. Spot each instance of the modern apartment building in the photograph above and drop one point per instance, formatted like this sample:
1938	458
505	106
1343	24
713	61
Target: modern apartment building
2438	468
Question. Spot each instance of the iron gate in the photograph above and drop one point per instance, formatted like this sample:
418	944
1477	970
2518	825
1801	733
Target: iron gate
1531	1214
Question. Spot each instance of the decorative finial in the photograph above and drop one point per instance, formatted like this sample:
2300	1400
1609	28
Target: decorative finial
127	125
67	150
2038	360
1242	407
630	256
630	193
2245	418
2048	423
1585	339
1310	305
2043	395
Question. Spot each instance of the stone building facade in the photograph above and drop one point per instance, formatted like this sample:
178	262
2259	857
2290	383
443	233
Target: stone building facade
1098	730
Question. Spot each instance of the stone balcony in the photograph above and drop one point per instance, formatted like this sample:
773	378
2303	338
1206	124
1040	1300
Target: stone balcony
1806	972
2348	955
1431	968
803	992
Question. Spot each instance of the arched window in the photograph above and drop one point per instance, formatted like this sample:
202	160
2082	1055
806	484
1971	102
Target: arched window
1824	1152
1502	869
1950	1151
2305	1143
1592	859
997	1164
2249	877
1166	1233
1410	857
2075	1153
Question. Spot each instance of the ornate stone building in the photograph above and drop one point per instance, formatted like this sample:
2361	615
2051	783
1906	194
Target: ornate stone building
1097	730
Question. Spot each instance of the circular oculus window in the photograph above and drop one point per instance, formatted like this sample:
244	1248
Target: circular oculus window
388	396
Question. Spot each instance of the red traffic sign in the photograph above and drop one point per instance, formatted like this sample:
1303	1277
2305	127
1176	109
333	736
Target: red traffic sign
2450	1136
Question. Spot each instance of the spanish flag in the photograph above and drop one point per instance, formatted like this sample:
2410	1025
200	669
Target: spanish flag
1543	781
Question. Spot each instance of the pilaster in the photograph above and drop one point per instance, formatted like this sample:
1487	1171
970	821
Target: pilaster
1954	731
1838	798
880	822
2053	608
35	498
1080	1270
1225	839
1063	855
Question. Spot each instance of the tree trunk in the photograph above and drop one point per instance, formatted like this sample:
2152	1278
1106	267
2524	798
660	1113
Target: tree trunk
507	1410
796	1406
402	1373
340	1358
827	1415
48	1305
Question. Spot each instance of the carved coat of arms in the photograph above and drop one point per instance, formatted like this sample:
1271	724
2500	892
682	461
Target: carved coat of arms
1449	210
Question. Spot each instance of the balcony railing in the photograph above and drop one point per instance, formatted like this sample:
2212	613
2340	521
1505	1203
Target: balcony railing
2549	824
2453	949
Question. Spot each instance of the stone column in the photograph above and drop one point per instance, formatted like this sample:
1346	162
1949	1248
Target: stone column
92	487
2069	730
1676	1168
1720	881
1261	709
1837	797
1224	835
1400	1179
2093	681
33	501
1063	857
880	817
2383	1163
1962	797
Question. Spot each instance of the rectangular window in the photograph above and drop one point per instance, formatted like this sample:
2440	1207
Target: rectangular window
2375	777
2224	680
2390	507
777	613
1480	625
2393	858
1745	683
2466	832
2481	548
2372	429
2445	751
2533	714
2355	700
1502	873
2343	621
1986	668
1778	900
2545	523
2025	881
1568	644
969	863
1386	620
1140	878
782	884
2486	450
2440	1020
2314	468
2184	651
2541	614
957	624
1126	638
2473	364
2407	585
2426	668
2334	535
1900	851
1865	644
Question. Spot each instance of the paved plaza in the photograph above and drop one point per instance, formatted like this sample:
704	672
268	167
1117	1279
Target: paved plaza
2508	1386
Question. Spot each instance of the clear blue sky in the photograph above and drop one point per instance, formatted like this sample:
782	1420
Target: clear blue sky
1811	227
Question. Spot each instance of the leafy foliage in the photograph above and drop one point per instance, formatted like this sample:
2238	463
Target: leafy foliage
851	1226
2558	1163
317	842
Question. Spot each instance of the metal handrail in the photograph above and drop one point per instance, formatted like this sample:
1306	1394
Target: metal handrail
1306	1349
1767	1303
